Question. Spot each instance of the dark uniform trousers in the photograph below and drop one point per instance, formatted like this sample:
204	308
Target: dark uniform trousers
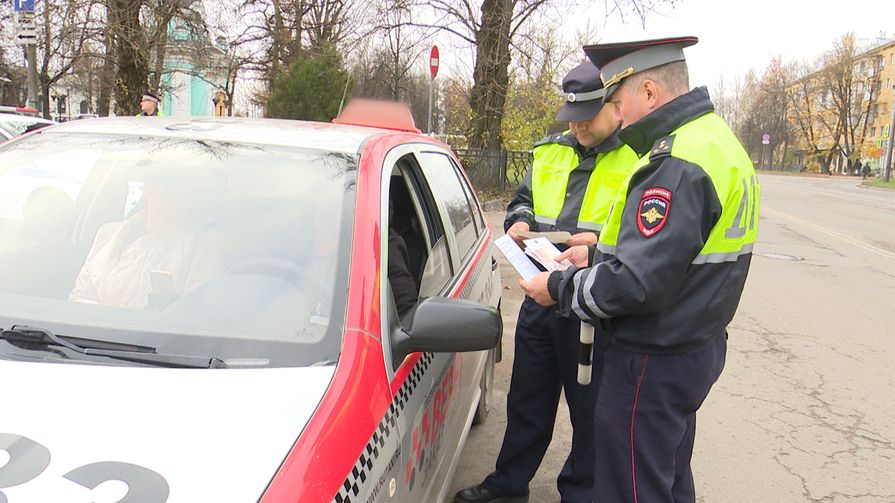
645	422
546	362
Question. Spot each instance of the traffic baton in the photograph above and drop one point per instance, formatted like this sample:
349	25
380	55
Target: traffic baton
585	352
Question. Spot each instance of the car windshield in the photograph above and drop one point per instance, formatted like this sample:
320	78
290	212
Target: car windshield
17	125
227	250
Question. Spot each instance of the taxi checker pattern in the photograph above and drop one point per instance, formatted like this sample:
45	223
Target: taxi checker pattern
358	475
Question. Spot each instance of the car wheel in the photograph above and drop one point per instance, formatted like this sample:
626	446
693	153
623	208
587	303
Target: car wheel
487	387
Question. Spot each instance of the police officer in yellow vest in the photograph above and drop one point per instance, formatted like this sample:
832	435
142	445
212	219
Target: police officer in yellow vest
149	106
675	253
570	187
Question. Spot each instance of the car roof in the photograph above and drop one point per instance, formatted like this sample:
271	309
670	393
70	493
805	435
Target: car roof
291	133
24	118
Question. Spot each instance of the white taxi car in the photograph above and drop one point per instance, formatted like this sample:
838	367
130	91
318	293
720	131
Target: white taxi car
205	311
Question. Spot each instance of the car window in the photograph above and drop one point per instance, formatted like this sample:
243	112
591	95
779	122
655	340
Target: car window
478	216
444	177
192	247
19	124
419	222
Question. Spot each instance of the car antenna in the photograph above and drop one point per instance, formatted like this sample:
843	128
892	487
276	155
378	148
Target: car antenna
342	103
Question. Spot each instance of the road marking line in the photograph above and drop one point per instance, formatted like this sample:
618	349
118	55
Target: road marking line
870	200
848	239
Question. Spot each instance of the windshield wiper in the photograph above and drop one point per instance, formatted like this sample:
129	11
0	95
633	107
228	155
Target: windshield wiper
110	349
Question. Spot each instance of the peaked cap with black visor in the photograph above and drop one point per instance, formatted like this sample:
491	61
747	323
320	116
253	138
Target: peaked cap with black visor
621	60
583	91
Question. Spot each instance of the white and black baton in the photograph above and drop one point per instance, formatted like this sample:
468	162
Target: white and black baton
585	352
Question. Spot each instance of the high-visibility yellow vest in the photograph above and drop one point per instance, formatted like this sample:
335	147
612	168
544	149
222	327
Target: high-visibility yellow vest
553	163
708	143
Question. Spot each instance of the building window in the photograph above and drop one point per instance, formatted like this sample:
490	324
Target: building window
873	131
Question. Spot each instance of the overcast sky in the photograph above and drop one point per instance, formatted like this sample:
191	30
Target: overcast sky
735	36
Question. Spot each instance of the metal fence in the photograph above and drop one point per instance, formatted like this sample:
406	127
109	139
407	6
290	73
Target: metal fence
495	170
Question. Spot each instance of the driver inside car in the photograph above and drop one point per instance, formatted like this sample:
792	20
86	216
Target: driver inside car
156	255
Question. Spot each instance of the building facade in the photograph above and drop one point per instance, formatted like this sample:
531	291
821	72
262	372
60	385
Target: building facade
860	114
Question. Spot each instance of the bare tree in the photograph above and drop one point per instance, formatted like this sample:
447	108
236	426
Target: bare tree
389	53
534	97
851	82
831	113
274	32
728	97
66	28
764	110
492	27
137	38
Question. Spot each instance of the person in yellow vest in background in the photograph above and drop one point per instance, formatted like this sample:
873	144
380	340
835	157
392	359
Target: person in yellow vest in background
571	185
675	254
149	106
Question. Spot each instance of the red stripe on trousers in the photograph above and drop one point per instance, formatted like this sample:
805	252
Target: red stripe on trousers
633	412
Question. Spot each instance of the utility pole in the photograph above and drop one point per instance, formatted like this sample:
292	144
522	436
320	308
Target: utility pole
27	37
31	56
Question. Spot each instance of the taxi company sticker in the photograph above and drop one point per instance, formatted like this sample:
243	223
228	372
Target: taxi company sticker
653	210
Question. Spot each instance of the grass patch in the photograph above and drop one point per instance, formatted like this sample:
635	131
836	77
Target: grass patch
880	183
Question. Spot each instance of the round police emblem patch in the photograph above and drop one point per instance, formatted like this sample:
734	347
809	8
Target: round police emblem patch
653	210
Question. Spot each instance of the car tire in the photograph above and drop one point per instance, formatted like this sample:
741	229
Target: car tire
487	387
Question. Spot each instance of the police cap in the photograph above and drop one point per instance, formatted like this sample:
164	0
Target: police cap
583	91
148	96
623	59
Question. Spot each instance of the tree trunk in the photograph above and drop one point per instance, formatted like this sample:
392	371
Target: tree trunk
45	97
131	57
161	52
107	71
490	76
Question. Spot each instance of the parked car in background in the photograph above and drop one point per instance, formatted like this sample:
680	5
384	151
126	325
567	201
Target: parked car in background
15	121
258	356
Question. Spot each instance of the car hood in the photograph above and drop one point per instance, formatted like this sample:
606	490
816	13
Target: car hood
202	435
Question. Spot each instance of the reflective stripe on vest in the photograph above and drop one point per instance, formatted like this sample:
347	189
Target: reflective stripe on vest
553	163
708	143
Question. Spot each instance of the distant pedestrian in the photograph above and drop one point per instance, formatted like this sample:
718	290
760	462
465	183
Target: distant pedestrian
149	106
865	171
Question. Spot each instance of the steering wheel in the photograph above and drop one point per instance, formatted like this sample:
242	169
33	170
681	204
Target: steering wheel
300	277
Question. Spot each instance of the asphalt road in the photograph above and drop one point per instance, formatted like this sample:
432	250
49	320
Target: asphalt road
804	409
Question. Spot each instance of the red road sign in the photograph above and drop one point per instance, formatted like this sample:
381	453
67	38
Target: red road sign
433	61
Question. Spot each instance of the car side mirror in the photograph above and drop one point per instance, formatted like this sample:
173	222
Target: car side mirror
445	325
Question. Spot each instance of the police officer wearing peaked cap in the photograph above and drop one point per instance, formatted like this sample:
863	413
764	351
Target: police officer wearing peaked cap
149	106
570	187
675	253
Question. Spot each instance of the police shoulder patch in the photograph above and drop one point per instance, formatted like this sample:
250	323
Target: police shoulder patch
652	212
